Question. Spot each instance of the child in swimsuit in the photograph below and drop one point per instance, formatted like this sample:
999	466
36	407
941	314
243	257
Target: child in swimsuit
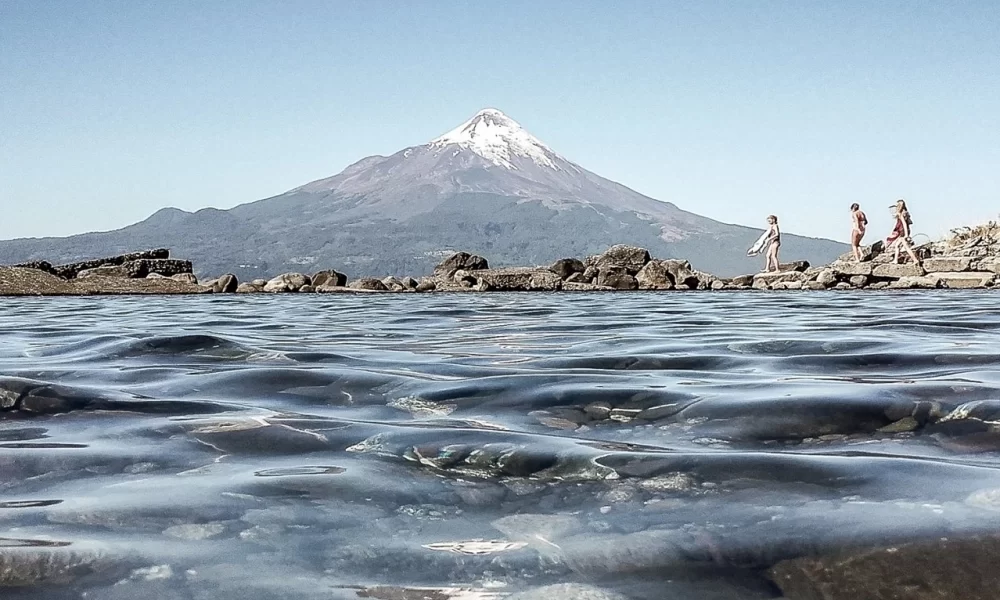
900	236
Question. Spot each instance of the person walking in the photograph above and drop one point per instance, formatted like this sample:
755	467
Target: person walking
900	239
773	245
859	221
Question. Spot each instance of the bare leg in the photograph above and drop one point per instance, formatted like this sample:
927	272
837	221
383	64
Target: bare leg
909	250
772	257
896	255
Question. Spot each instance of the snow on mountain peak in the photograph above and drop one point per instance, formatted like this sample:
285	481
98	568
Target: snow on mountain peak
497	138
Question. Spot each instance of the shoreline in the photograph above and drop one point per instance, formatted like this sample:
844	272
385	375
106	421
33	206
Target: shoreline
969	259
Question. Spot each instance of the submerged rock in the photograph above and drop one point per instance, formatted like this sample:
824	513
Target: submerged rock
940	569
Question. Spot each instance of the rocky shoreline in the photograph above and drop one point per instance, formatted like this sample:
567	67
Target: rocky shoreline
968	259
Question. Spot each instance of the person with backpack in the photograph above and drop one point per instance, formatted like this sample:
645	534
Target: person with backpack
859	221
900	236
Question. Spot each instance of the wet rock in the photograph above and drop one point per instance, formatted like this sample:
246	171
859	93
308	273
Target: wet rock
906	283
616	278
329	277
369	284
567	267
249	288
842	286
307	289
26	562
966	280
941	569
621	256
460	260
572	286
286	282
426	286
195	531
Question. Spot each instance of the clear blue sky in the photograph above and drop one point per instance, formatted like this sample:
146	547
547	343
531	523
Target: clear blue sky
112	110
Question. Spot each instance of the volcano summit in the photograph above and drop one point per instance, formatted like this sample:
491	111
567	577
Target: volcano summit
487	186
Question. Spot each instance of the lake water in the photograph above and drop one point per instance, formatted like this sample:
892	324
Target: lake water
484	446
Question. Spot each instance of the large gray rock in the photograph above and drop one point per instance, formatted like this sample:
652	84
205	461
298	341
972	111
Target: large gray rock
923	282
826	278
966	280
952	568
369	284
329	277
654	276
393	284
249	288
859	281
566	267
226	284
763	280
893	271
617	278
950	264
851	269
867	253
518	279
460	260
286	282
622	256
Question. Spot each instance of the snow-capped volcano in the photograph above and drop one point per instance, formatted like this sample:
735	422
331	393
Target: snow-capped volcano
498	138
487	186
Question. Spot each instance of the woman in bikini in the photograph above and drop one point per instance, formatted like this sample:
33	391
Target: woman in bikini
774	244
900	236
859	221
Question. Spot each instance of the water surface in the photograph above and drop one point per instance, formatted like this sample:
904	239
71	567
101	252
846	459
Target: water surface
482	446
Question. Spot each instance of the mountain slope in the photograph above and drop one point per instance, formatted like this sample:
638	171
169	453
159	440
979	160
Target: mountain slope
488	186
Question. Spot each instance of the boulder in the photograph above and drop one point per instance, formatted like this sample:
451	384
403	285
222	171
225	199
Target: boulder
183	277
991	263
965	280
329	277
787	285
654	276
249	288
909	283
816	285
844	285
426	286
518	279
943	568
463	278
742	280
393	284
616	278
717	284
409	283
567	267
948	264
630	258
287	282
368	284
826	278
778	277
893	271
259	282
852	268
460	260
859	281
226	284
798	265
307	289
589	274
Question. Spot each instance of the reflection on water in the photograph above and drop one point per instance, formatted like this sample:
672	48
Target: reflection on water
640	446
